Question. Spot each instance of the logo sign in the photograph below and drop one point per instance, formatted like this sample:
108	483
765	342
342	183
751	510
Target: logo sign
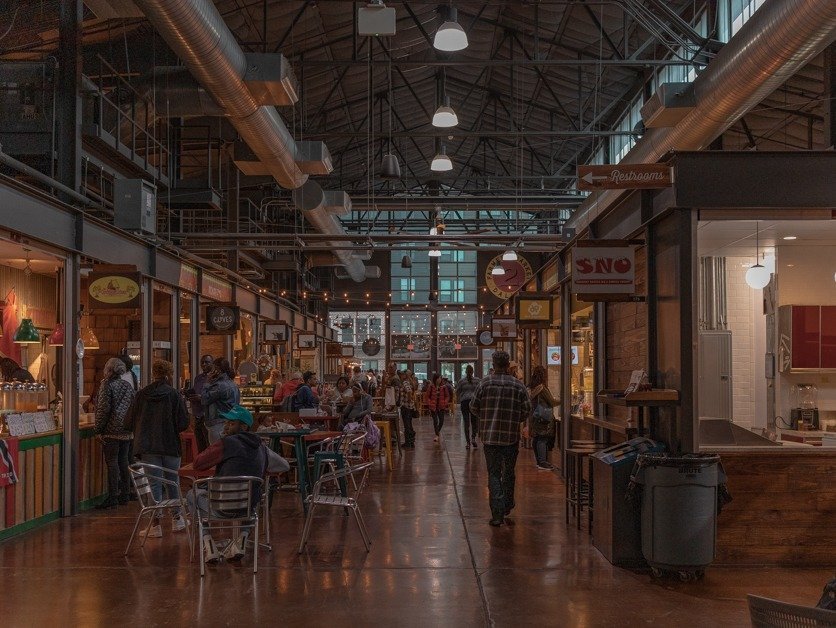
222	319
604	270
553	355
215	288
188	278
504	328
534	310
116	290
333	350
371	346
625	177
514	277
306	341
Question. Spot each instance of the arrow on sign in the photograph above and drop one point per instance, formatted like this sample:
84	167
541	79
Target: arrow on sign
590	178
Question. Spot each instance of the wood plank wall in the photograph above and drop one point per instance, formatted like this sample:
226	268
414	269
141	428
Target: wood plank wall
783	509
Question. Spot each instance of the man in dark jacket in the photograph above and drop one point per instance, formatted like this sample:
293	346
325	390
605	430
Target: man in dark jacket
157	417
238	452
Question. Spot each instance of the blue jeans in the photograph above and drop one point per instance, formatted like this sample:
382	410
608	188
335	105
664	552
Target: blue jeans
541	449
166	462
471	422
501	461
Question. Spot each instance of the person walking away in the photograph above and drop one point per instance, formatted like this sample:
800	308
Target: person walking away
464	391
237	452
157	417
407	409
392	396
541	423
502	404
219	396
113	403
438	401
193	394
305	397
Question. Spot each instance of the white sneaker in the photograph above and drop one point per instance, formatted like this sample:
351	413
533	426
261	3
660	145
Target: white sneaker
211	554
156	532
236	549
178	524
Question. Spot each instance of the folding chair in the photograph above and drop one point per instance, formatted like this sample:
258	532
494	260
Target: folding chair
318	498
766	613
142	477
229	505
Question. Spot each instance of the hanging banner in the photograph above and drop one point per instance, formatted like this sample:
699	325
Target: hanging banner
114	288
8	461
188	278
534	310
216	289
603	269
222	319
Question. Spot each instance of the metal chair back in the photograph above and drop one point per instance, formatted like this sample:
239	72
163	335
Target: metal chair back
766	613
231	497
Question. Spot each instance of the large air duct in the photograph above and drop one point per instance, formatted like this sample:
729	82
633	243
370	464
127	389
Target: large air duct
779	38
196	32
321	210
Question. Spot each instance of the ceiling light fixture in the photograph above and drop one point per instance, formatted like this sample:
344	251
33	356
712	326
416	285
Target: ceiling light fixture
445	117
757	276
441	162
450	37
434	253
790	238
509	256
390	168
497	270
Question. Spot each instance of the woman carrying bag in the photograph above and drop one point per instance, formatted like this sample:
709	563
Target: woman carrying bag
541	423
438	402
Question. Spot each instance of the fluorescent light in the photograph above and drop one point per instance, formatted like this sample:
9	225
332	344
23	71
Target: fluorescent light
450	37
509	256
790	237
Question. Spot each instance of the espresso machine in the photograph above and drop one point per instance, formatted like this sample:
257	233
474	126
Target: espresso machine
805	414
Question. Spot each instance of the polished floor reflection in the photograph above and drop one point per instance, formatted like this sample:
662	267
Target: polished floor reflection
434	562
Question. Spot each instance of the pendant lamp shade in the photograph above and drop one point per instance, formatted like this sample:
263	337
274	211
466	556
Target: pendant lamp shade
497	270
26	333
56	338
509	256
757	277
434	253
89	338
445	117
390	168
406	262
441	162
450	37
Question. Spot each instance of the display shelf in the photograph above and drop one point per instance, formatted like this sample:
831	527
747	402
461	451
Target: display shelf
659	397
611	426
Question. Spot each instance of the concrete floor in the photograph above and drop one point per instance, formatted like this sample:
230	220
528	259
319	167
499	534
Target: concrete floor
434	562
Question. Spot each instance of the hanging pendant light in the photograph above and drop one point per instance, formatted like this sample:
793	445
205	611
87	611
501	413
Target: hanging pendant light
450	37
27	333
88	337
56	338
757	276
406	262
441	162
497	270
434	253
509	256
445	117
390	168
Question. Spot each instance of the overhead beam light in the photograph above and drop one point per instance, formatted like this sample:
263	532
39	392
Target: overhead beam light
509	256
497	270
450	37
441	162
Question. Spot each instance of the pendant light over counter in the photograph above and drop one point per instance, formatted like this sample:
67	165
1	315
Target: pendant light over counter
450	37
758	276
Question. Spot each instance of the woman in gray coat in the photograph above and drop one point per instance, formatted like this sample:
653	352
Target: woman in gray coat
112	405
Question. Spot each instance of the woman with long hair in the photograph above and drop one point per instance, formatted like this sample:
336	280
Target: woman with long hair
438	401
541	422
464	392
113	403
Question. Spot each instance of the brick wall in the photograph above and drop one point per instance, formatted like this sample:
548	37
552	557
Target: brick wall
112	330
741	322
627	339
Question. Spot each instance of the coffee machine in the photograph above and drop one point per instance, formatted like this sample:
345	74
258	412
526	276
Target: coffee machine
805	414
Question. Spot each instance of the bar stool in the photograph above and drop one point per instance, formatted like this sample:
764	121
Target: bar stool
386	441
578	490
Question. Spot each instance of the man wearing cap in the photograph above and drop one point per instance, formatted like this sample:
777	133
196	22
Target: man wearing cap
238	452
502	404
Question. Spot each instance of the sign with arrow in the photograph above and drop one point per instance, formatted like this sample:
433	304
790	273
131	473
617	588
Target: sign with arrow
625	177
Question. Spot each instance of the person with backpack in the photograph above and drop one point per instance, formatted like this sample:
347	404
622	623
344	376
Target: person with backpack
218	397
541	422
283	396
305	398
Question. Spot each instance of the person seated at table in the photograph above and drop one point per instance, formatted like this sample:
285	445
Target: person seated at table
238	452
338	395
359	406
288	389
305	397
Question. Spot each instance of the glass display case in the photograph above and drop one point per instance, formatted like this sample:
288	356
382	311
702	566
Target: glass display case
257	397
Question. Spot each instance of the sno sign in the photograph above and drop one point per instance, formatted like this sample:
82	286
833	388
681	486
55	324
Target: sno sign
604	270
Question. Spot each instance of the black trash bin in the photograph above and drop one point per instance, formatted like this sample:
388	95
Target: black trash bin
680	500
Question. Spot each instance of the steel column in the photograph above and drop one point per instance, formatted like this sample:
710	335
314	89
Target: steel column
69	101
72	371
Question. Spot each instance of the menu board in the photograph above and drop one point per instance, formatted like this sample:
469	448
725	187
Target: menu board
26	423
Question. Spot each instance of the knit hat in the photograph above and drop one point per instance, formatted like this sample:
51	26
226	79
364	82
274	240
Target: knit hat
238	413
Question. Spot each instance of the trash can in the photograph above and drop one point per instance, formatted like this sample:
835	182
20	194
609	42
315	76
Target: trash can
680	500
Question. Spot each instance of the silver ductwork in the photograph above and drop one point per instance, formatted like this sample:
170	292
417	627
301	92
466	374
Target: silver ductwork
779	38
197	33
713	296
319	210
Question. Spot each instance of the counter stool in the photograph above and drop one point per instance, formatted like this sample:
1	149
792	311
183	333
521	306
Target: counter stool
578	490
386	441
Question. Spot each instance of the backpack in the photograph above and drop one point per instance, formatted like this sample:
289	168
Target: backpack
287	403
828	597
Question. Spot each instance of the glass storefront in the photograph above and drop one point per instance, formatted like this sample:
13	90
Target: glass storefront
582	359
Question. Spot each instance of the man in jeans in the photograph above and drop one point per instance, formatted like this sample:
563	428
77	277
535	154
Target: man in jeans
502	404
